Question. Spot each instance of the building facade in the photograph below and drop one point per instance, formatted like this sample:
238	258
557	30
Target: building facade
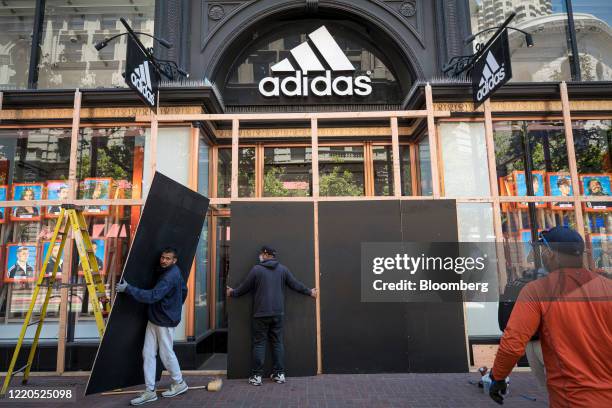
293	100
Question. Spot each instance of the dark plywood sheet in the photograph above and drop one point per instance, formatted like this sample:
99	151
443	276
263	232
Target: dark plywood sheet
173	215
289	228
383	337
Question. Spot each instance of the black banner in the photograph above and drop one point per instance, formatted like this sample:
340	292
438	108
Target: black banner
492	70
140	74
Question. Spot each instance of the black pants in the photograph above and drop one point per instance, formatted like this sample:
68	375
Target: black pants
267	328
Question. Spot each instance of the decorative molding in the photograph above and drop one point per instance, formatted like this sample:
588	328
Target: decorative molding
526	106
89	113
312	6
214	12
408	8
411	13
306	132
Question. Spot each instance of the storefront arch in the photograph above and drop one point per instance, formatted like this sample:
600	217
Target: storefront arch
404	46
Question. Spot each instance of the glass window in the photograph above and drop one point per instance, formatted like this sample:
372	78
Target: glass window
110	163
548	153
406	170
425	167
599	239
68	57
464	158
341	171
16	25
382	157
246	172
593	20
287	172
545	20
201	283
222	268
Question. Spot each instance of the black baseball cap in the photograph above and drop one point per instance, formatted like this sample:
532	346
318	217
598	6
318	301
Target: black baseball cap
268	250
563	239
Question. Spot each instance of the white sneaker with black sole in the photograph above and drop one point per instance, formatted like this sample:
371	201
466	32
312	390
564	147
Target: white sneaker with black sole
255	380
278	378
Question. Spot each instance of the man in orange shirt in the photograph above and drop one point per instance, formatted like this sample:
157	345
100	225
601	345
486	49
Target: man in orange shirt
571	308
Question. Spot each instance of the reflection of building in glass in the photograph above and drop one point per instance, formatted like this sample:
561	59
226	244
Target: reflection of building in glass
491	13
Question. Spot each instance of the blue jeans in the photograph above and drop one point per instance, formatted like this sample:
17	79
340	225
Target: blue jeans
264	328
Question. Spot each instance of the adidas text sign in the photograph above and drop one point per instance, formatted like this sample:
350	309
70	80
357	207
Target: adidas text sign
141	79
301	84
140	75
492	70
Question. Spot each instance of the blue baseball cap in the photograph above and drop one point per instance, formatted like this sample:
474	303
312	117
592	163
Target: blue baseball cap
268	250
563	239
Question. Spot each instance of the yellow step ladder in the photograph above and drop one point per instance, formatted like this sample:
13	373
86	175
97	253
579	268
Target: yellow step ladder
70	218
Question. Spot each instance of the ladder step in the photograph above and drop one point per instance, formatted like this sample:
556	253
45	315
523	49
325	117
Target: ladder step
33	323
20	369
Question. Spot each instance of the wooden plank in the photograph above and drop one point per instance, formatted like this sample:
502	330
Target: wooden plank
317	272
153	149
368	162
314	127
414	170
259	170
235	159
74	143
433	146
397	175
193	185
60	366
293	116
571	155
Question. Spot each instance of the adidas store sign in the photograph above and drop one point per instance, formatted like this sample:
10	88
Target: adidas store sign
140	75
299	83
492	70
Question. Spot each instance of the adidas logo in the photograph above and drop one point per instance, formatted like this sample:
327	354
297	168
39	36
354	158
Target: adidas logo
141	79
492	75
311	56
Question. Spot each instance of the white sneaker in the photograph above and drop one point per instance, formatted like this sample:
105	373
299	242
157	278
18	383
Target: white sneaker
278	378
175	389
255	380
147	396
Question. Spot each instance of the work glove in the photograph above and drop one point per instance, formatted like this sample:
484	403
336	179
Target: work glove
121	287
498	389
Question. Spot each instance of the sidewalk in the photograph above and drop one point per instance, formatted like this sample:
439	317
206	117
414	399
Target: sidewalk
325	391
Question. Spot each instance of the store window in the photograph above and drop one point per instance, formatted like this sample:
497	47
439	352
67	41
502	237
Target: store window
246	172
464	159
382	158
425	179
546	21
341	171
222	251
547	154
287	172
406	170
68	57
16	25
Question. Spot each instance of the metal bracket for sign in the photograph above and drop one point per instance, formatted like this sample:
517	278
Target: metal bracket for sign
464	63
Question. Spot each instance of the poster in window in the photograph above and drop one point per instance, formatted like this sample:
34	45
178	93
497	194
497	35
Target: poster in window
26	192
596	185
560	185
96	189
99	247
56	190
3	197
539	186
52	260
601	250
20	263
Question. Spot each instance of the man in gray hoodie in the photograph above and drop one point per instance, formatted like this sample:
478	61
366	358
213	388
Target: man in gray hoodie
268	279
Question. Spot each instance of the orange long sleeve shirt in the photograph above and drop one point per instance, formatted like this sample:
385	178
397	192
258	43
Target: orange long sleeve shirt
572	310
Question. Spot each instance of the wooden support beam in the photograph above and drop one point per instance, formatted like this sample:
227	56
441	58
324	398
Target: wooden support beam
153	149
571	155
397	175
433	146
235	158
315	156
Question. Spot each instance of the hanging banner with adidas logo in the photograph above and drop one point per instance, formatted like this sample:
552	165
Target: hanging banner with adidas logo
140	75
317	67
492	70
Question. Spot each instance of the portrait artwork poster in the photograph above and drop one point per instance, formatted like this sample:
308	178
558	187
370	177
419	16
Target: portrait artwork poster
3	197
20	262
539	186
99	246
596	185
560	185
56	190
97	189
26	192
52	260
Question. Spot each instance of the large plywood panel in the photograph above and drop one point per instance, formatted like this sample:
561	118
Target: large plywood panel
289	228
173	215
